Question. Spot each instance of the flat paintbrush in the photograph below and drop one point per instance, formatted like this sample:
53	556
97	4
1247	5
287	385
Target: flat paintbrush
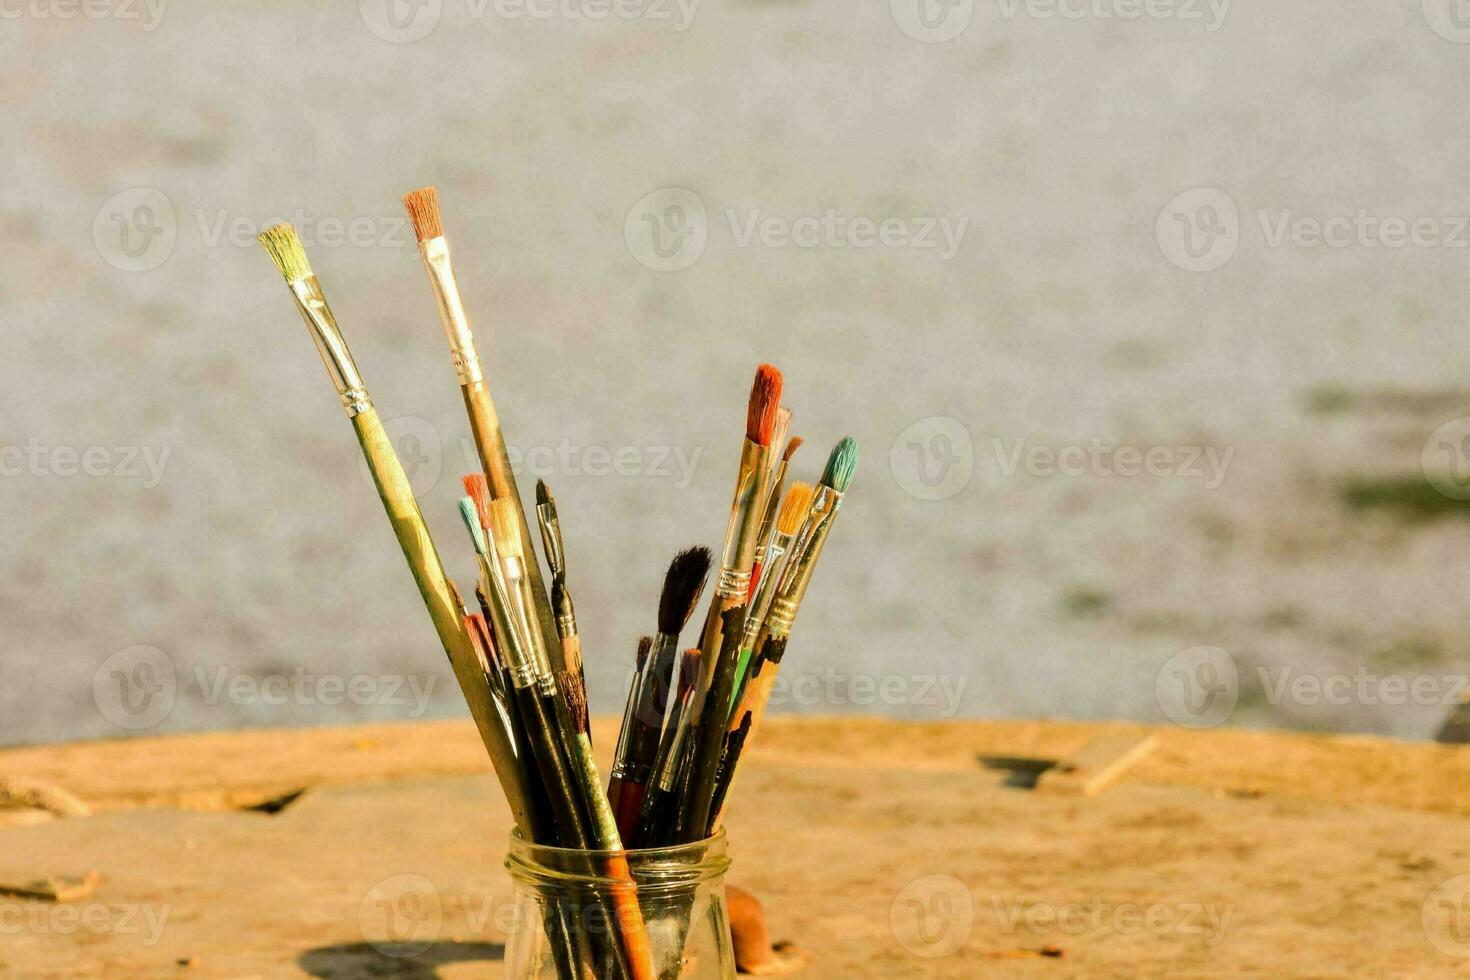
557	739
398	500
545	823
774	500
793	511
423	211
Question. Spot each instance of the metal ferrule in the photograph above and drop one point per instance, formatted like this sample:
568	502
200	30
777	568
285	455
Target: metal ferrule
773	504
451	311
797	574
745	516
519	588
518	662
329	343
671	764
766	592
550	524
566	622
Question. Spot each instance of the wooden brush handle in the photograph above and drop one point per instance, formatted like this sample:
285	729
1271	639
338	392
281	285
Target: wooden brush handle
490	443
428	573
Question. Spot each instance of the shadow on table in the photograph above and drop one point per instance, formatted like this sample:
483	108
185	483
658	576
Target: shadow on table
1021	772
403	961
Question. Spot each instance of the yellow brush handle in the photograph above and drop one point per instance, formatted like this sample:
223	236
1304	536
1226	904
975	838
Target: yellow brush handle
428	572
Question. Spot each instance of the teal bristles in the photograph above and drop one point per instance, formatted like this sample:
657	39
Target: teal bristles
471	518
841	464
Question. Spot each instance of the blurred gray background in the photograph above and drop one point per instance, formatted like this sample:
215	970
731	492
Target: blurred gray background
1137	441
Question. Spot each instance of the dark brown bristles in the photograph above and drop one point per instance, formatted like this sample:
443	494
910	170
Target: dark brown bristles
576	695
792	446
645	644
423	211
478	490
682	585
689	670
765	401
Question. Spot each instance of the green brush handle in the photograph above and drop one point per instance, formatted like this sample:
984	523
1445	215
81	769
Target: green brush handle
428	573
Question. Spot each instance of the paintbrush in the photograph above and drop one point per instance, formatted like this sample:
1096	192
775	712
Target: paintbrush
774	498
533	688
726	623
616	782
657	815
683	584
772	636
558	729
793	511
398	500
423	211
561	599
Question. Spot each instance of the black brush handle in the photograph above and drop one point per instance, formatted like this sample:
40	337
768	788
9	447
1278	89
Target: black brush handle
734	745
714	719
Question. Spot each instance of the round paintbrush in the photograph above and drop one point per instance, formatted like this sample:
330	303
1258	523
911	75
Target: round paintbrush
683	583
726	625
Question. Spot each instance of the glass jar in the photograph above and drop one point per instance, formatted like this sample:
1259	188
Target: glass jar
576	917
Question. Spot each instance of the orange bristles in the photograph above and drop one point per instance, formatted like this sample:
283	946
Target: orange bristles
791	447
765	401
423	211
478	489
794	508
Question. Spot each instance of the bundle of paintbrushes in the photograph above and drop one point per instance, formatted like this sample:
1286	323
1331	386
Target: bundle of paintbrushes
517	656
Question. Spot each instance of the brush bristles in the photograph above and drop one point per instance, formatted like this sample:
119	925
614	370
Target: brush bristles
505	528
478	488
543	494
688	671
645	646
285	250
682	586
765	402
576	695
791	447
841	464
794	508
470	514
423	211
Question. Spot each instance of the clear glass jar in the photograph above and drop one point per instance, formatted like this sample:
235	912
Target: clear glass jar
576	917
